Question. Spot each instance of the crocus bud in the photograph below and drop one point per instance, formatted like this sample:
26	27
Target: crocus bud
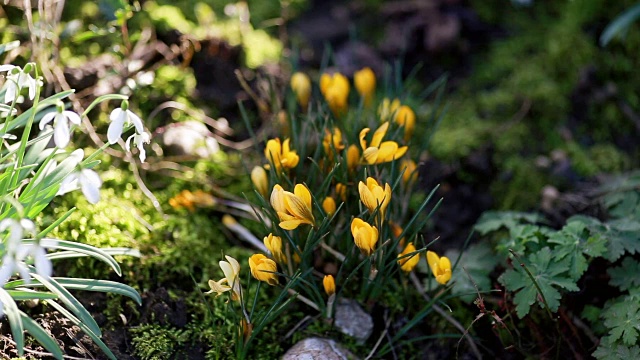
274	245
407	118
408	263
260	180
329	205
364	235
301	86
329	285
365	81
440	267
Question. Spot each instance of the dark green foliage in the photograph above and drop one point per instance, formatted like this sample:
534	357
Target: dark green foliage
549	275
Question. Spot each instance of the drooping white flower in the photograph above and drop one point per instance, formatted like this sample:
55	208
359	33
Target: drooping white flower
14	262
139	140
15	251
16	230
16	80
119	117
61	119
85	179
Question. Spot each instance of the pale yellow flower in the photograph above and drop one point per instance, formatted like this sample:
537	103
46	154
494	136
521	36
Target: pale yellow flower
263	269
280	154
260	180
440	267
410	174
332	140
231	280
387	109
353	157
301	86
274	245
335	89
378	152
374	196
364	235
407	118
365	81
329	284
294	208
191	200
408	263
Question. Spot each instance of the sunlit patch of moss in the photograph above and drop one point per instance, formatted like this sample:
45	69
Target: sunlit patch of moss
168	17
174	81
597	159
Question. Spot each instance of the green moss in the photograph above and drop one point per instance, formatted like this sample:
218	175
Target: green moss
520	189
154	342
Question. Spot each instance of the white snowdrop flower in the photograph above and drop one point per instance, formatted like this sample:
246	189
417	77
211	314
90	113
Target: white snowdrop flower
119	117
16	80
139	140
87	180
61	119
14	262
16	230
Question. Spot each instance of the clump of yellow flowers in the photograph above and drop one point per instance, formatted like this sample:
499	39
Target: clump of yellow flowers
333	197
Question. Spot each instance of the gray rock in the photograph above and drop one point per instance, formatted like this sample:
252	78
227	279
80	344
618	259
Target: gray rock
189	138
318	349
351	320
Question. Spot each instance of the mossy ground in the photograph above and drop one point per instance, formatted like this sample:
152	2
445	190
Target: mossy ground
520	98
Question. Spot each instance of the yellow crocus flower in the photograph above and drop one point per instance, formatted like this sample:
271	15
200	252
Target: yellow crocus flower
378	152
329	284
301	86
410	174
407	118
274	245
341	191
387	109
260	180
364	235
332	137
365	81
280	154
294	208
408	263
231	280
440	267
263	269
335	89
374	196
353	157
329	205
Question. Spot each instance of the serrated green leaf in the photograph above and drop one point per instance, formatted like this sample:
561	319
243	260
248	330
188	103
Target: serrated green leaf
478	261
625	276
494	220
606	351
623	320
548	273
573	243
618	240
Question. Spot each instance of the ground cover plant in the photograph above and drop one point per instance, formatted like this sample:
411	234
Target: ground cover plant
281	171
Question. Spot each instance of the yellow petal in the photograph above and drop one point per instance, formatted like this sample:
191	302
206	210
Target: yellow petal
379	134
298	208
370	155
432	260
363	134
277	199
290	224
303	193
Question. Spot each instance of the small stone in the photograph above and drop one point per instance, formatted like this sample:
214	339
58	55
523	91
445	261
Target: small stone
351	320
316	348
190	138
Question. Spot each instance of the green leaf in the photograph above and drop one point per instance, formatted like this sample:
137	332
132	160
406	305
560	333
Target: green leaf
479	261
619	240
92	285
620	24
548	274
623	320
13	314
24	294
573	243
494	220
521	238
625	276
41	335
606	351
